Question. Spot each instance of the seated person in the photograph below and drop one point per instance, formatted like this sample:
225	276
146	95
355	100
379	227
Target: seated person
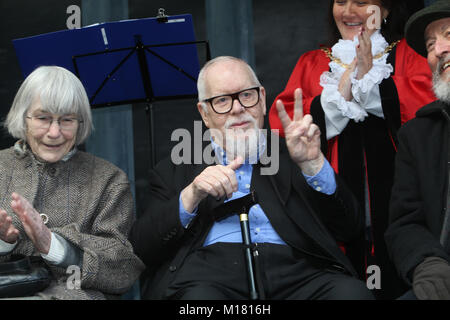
303	208
68	206
418	237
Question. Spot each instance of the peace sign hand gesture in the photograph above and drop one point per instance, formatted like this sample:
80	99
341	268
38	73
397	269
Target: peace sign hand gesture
302	136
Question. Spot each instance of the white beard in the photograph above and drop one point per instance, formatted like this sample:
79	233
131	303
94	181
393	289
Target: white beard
248	144
441	85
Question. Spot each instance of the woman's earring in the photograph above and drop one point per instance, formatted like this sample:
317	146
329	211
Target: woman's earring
385	21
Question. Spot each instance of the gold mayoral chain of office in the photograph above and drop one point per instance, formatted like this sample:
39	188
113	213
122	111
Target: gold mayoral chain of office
346	66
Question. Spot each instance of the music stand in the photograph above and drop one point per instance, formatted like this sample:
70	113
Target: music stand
130	61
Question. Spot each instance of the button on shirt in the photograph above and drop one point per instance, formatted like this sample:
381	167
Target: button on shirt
261	230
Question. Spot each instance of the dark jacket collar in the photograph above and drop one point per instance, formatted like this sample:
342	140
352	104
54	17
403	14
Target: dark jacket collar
435	108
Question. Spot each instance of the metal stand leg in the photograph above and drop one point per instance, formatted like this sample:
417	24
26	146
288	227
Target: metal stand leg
150	117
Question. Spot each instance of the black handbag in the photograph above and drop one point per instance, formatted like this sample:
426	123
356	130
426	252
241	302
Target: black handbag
22	276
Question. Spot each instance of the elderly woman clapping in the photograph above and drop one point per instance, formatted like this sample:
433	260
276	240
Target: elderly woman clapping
68	206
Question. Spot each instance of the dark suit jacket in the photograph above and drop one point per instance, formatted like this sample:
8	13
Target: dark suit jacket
304	218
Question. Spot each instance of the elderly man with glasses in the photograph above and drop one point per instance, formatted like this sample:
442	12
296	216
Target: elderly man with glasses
193	252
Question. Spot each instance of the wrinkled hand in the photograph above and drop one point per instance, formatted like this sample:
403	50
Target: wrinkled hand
217	181
302	136
32	222
431	280
364	53
8	232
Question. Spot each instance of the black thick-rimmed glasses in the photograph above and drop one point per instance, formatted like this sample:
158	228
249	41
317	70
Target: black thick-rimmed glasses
223	104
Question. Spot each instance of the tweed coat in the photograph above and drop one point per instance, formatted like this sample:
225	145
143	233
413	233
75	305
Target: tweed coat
419	195
89	203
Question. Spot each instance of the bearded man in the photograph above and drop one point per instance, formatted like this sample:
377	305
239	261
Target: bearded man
304	209
418	234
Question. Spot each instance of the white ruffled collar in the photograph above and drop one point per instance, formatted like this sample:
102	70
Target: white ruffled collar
345	50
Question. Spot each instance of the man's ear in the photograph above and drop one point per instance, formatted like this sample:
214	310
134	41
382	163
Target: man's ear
203	113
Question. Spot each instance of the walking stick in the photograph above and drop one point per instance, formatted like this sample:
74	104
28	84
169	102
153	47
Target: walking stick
242	206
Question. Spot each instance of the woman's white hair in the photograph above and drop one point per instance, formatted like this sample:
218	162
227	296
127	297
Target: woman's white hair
201	81
59	91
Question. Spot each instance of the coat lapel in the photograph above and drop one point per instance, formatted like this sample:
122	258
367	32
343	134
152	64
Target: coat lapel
295	222
280	182
273	192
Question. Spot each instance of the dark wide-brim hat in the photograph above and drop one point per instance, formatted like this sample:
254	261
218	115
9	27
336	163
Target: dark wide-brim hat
417	23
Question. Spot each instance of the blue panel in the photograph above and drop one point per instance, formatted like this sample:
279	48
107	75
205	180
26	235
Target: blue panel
163	75
58	48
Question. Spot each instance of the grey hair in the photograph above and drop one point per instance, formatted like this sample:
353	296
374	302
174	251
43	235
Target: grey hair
59	91
201	81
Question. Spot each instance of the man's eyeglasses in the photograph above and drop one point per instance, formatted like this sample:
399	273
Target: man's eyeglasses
66	123
223	104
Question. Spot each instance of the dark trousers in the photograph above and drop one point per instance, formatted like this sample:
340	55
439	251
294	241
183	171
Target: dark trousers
409	295
218	272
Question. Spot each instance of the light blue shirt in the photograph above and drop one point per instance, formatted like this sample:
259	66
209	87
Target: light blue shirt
261	230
